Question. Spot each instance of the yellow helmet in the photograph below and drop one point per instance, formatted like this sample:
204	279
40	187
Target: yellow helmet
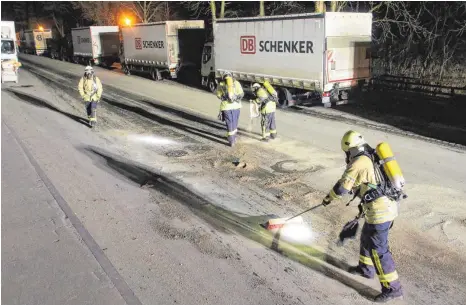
351	139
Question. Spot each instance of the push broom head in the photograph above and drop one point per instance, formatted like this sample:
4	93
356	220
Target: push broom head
278	223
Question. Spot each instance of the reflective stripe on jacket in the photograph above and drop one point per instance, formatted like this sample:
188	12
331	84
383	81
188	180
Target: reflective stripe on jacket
90	89
265	101
357	176
222	94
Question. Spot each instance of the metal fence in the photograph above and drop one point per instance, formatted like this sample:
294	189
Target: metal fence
409	84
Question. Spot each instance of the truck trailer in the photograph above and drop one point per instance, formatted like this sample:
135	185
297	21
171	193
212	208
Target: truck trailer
96	45
35	41
162	47
319	54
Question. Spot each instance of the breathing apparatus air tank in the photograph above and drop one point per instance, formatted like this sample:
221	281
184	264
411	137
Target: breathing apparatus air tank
270	89
230	88
390	166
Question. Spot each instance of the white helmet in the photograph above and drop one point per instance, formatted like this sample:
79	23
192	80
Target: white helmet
227	74
89	69
255	86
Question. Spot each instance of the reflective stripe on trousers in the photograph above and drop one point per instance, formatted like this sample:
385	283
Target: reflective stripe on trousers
231	120
91	108
268	125
375	255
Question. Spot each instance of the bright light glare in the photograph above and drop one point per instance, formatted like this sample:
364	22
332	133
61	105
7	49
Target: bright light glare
297	233
152	140
41	28
127	21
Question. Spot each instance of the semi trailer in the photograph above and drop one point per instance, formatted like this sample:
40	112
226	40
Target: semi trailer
319	54
163	48
35	41
96	45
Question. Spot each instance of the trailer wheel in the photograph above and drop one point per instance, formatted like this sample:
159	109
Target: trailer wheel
212	84
155	74
285	98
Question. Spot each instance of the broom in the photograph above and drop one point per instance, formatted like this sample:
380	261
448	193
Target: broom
278	223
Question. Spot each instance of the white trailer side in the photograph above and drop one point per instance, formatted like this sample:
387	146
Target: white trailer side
154	47
288	50
36	41
325	53
95	44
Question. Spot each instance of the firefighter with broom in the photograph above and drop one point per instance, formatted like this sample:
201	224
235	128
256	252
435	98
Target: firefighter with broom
362	175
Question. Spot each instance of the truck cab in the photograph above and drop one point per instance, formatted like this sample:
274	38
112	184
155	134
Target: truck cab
208	67
9	52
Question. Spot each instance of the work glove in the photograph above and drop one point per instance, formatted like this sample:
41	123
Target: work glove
326	201
220	116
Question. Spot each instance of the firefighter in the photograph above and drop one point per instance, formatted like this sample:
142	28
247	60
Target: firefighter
267	105
379	212
230	92
90	89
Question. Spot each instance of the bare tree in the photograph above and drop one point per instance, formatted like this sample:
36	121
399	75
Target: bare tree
282	8
319	6
101	12
337	6
205	8
262	8
151	11
222	9
58	11
424	40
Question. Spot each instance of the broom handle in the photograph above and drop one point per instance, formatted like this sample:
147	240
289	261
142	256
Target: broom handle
314	207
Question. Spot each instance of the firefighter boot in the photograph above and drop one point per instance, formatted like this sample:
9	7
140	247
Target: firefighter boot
356	270
387	296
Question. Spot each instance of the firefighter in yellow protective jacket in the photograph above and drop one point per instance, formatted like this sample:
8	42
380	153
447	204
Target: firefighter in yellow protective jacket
267	105
90	89
379	210
230	92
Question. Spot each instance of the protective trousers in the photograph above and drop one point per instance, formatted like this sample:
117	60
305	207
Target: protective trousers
375	256
231	118
91	108
268	125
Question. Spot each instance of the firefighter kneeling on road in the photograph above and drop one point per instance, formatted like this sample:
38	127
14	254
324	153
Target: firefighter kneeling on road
230	92
379	210
90	89
266	98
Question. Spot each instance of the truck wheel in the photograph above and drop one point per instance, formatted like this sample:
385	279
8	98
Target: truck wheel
212	84
153	74
126	70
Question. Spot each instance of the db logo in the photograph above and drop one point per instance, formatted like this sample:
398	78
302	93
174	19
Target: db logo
39	37
248	44
138	43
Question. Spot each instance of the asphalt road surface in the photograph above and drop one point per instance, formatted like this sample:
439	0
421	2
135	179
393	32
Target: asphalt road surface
172	217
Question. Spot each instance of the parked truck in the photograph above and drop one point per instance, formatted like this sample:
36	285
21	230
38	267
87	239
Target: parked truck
35	41
96	45
9	53
60	48
168	47
324	55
